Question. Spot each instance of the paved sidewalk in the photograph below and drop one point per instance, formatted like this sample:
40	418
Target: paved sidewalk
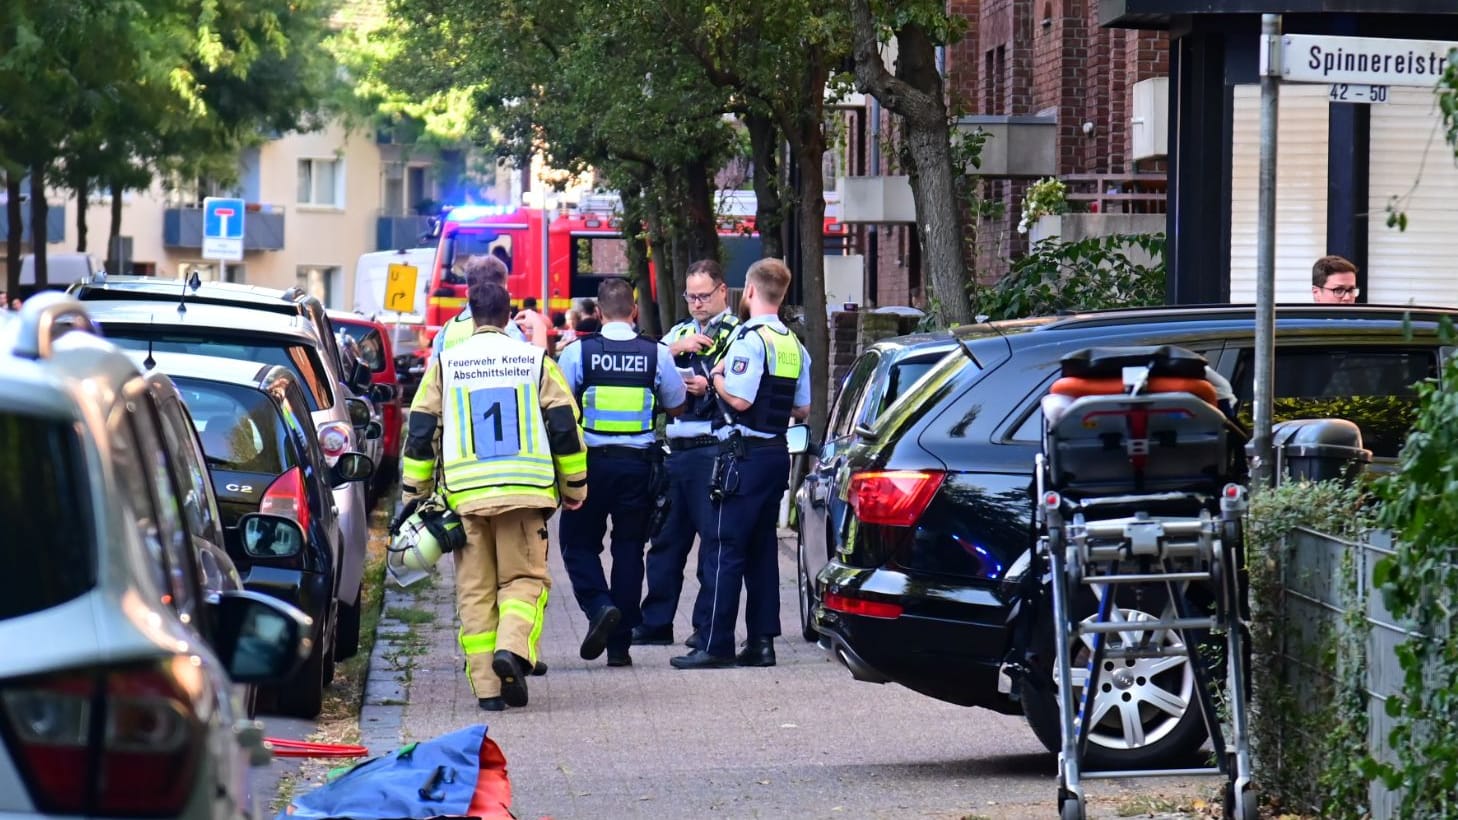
801	739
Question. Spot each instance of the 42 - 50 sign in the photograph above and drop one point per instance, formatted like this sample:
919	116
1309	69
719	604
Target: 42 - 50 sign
1358	93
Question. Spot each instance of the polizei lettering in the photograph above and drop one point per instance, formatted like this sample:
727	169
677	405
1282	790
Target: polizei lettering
1411	63
619	362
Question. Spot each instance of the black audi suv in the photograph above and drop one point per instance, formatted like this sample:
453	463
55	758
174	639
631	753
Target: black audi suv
915	518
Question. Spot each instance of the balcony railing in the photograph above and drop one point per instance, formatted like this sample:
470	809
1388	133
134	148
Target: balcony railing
263	227
1116	193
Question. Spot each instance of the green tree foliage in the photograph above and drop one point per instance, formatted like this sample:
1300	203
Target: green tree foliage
780	57
585	86
110	92
1121	270
1420	506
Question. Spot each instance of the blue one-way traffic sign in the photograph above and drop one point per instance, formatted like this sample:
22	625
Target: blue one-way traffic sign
222	229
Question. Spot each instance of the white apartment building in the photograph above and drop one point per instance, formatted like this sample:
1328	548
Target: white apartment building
315	202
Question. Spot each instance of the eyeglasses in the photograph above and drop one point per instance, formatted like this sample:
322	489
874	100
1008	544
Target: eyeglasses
699	298
1342	293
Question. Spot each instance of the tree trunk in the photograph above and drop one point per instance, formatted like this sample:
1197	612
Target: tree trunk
662	265
769	213
702	231
113	244
812	273
682	258
83	198
637	251
15	226
915	93
806	132
38	209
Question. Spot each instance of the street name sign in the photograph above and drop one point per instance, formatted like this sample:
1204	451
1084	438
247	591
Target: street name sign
222	229
400	288
1373	61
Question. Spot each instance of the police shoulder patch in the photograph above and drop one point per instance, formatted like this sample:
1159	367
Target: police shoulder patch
739	365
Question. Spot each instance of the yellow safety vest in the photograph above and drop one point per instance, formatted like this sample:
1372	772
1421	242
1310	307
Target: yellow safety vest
494	438
770	413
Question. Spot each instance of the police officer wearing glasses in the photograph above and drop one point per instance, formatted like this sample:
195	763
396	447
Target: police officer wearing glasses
621	380
697	343
764	380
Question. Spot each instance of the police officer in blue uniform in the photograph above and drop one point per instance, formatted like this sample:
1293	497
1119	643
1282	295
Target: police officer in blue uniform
697	343
621	380
764	379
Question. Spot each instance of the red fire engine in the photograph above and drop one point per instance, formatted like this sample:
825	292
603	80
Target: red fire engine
583	248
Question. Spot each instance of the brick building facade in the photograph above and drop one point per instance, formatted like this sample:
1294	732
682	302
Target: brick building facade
1047	58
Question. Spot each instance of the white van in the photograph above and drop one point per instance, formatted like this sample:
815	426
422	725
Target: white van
62	269
373	271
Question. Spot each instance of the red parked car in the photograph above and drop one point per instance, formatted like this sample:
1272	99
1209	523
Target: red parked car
376	351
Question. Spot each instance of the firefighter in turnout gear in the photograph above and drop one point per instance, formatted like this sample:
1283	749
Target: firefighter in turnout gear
764	379
697	343
507	451
621	379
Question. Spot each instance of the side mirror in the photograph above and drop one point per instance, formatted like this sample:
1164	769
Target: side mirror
349	468
359	412
797	439
383	393
260	639
374	430
359	377
265	536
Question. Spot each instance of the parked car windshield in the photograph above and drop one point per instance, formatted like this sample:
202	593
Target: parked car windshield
303	361
46	553
239	427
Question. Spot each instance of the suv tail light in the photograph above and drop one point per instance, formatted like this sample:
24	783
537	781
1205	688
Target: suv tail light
894	498
286	497
110	742
862	606
334	440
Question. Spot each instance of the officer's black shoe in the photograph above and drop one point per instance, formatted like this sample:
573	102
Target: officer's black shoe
757	652
699	659
619	657
603	624
653	636
694	641
540	669
511	670
491	704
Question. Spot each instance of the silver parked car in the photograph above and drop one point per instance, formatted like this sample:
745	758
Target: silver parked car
266	338
119	669
334	387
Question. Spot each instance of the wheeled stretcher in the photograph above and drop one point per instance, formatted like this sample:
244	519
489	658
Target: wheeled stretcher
1140	503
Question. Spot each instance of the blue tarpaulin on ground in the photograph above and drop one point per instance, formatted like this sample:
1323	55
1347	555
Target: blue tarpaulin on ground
433	778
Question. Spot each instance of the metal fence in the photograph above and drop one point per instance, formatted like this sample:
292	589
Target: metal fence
1315	604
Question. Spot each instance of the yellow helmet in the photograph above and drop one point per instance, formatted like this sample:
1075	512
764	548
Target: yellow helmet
430	531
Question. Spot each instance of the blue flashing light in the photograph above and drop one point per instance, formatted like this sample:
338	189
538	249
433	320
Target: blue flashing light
466	213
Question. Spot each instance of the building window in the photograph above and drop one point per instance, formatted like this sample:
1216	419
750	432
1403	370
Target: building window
321	182
321	281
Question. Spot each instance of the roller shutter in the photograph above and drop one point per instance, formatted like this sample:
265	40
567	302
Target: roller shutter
1301	185
1407	149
